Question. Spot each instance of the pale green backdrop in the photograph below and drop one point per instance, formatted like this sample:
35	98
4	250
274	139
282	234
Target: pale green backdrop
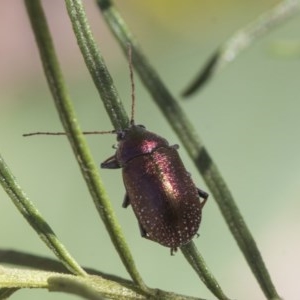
248	118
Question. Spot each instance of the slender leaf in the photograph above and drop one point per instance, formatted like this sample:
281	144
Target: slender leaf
35	219
194	146
77	141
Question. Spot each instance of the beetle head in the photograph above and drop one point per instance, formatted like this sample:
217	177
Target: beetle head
136	140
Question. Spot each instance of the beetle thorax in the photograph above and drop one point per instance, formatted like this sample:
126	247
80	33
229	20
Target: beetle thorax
135	141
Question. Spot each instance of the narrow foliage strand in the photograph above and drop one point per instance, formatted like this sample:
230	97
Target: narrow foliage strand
35	219
79	146
197	262
243	39
194	146
96	65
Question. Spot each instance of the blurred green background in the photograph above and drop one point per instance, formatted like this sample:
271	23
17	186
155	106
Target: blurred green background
248	118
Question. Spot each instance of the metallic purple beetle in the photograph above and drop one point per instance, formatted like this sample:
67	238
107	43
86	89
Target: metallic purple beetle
163	196
161	192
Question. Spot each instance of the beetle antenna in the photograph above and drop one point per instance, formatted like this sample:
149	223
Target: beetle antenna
64	133
132	84
101	132
43	133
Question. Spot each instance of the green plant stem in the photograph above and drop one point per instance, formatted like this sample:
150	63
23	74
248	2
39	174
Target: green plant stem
5	293
187	134
88	287
77	141
197	262
94	62
96	65
243	39
35	219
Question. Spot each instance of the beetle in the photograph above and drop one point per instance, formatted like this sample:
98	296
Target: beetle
164	198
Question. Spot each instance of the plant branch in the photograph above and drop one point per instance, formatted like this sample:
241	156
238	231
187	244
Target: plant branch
241	40
197	262
77	141
35	219
38	262
89	287
194	146
96	65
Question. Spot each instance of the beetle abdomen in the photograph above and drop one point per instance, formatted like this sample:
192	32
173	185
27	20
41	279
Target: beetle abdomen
163	196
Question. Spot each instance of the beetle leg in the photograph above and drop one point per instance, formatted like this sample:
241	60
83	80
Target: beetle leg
110	163
173	250
126	201
176	146
143	231
203	195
